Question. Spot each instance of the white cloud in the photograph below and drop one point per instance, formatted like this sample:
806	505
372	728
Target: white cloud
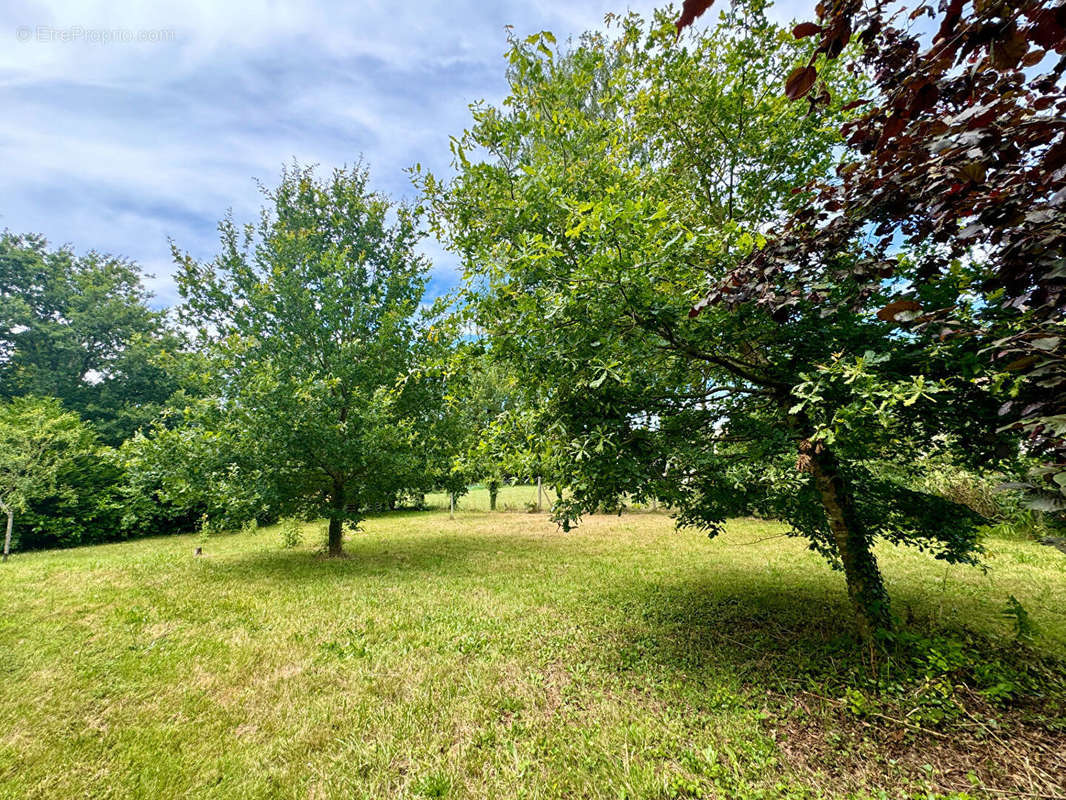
116	146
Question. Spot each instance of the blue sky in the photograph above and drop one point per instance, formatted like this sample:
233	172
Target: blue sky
116	145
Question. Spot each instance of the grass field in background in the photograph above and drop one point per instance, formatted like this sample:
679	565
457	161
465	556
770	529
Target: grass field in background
510	498
494	656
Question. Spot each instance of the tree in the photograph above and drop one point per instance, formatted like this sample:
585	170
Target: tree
485	397
40	446
310	319
80	329
186	466
614	176
960	147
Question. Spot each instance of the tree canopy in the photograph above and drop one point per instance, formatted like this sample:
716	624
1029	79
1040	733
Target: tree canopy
79	328
53	471
614	177
958	153
311	319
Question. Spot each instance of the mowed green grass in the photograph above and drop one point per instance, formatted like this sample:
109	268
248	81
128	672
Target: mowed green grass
487	656
522	497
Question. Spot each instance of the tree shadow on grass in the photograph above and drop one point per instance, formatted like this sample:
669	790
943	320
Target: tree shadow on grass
790	632
733	636
790	640
755	630
936	694
776	633
439	554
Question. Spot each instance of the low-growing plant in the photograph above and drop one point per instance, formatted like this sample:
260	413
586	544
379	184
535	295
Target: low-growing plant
435	785
351	645
1004	508
931	680
205	528
1023	625
291	533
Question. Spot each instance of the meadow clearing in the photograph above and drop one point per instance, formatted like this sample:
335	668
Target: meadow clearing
492	655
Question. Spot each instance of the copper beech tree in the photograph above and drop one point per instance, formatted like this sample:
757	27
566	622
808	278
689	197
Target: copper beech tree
958	153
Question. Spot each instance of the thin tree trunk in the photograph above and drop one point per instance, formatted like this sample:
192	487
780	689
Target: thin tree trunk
494	488
10	523
336	521
451	505
540	496
865	586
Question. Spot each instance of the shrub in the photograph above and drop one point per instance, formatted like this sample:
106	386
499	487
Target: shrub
61	481
1005	509
291	533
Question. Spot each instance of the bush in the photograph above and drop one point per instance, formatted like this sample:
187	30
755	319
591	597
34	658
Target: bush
85	509
1004	508
62	483
291	533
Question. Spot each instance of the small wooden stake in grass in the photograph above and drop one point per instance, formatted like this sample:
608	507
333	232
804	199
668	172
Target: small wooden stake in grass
10	521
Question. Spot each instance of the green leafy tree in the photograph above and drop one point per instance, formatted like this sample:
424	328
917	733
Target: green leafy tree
79	328
484	392
188	464
613	180
50	468
310	318
960	142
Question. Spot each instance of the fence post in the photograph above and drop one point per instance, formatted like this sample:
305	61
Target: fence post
7	536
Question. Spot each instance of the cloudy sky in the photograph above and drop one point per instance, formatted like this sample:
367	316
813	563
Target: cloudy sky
116	145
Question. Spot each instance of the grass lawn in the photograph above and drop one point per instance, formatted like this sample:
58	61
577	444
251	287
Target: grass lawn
494	656
509	498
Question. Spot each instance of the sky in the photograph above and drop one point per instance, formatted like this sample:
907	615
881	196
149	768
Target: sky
127	125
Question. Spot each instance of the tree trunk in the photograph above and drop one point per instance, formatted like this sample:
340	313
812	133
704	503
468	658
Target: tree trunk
7	535
336	521
451	505
494	488
540	503
865	586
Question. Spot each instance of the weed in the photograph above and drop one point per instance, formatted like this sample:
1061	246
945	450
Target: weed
432	786
290	532
1019	617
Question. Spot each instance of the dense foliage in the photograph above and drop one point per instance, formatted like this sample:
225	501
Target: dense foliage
79	328
56	480
311	324
615	176
960	147
84	364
